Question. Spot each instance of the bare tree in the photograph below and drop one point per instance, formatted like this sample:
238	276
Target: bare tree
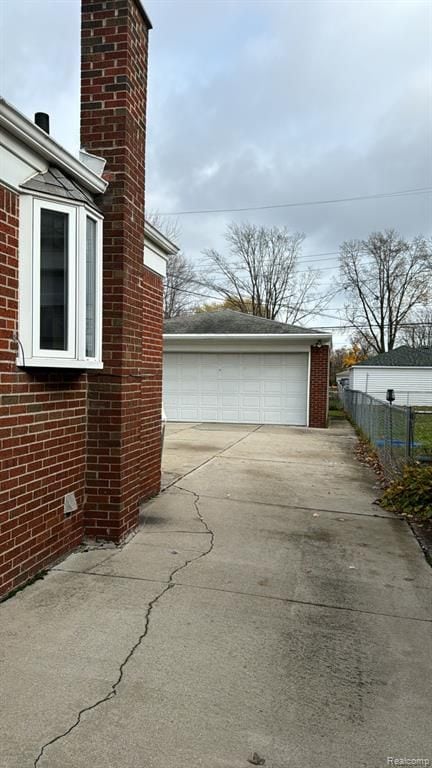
258	273
179	289
169	227
385	278
419	332
180	293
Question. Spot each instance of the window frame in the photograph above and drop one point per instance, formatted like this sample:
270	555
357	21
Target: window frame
86	213
29	352
72	257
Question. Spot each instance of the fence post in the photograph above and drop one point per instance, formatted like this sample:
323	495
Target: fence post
410	436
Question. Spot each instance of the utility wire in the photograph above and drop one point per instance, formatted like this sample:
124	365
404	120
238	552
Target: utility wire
378	196
318	314
300	260
312	268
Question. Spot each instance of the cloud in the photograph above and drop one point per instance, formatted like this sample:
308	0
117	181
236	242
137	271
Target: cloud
326	100
39	62
253	103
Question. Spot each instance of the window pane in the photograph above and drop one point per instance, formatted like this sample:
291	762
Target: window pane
91	288
53	280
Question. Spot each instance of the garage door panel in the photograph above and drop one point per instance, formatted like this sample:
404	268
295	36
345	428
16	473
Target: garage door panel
256	388
209	400
229	401
249	401
186	414
208	386
188	401
208	414
208	370
230	387
230	415
251	387
273	401
273	387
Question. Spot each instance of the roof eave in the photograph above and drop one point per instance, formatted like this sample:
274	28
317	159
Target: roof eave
323	337
43	144
160	239
375	367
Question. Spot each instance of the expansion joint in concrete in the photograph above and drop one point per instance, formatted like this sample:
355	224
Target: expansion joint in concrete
207	461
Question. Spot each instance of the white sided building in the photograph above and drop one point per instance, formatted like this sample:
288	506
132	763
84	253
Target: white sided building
406	370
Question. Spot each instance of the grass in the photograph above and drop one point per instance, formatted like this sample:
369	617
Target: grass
336	413
423	430
335	406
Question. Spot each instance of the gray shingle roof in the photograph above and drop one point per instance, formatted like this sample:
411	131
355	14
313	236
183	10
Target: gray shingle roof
403	356
55	182
229	321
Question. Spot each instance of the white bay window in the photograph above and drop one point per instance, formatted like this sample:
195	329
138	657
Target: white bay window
60	313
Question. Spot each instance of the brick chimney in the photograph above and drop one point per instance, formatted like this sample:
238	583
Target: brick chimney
124	405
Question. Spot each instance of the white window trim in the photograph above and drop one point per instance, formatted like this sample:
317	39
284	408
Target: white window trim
29	353
71	213
85	213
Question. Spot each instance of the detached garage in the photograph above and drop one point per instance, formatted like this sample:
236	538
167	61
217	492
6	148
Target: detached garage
231	367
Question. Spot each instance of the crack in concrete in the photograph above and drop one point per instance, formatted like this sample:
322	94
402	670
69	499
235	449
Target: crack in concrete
169	585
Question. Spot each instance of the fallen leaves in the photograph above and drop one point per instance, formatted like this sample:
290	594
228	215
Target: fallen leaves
367	456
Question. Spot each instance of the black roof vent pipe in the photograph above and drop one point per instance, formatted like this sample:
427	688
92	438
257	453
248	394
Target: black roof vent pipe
42	120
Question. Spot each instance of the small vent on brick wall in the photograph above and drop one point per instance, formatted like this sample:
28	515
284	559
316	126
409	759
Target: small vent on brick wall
70	503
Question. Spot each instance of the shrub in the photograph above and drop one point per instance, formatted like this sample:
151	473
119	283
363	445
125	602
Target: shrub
411	494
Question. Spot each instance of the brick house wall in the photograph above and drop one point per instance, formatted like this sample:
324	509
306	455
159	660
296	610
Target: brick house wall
125	398
152	384
94	433
318	386
42	438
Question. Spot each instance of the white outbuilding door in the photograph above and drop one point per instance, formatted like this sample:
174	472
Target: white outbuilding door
254	388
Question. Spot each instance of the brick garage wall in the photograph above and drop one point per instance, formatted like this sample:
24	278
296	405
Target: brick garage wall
125	398
42	439
318	386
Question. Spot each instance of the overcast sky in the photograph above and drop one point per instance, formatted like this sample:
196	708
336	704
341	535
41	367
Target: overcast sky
257	103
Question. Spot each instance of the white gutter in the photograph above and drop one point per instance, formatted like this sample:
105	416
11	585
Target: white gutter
312	337
41	143
160	239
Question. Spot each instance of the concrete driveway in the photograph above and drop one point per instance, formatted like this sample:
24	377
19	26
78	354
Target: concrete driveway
265	606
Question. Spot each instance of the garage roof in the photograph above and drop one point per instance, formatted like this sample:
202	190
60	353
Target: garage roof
401	357
228	321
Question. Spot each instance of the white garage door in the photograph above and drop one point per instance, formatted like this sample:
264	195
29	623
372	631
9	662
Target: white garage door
248	388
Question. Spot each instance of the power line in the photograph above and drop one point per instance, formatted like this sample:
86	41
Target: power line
318	314
378	196
297	271
302	260
365	325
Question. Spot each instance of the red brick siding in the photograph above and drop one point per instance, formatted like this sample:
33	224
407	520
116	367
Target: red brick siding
42	438
125	399
318	386
152	384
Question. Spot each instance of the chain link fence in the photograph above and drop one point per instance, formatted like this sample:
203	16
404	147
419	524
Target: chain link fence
399	434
